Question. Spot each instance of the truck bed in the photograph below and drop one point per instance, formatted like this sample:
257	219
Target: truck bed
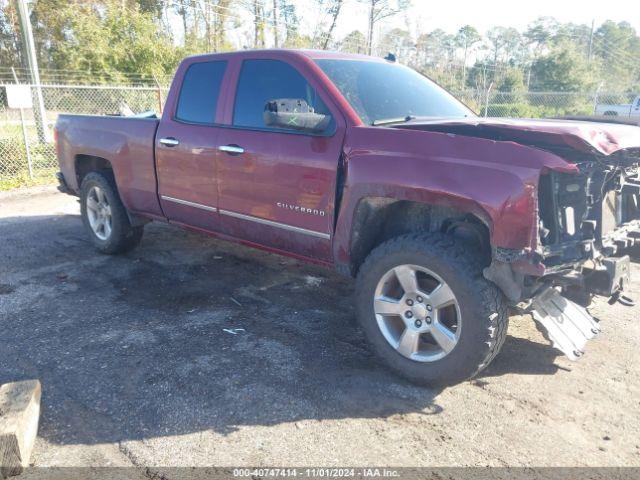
128	144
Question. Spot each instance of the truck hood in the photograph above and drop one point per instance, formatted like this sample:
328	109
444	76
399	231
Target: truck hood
588	137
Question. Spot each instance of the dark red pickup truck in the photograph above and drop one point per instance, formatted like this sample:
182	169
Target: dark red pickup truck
446	220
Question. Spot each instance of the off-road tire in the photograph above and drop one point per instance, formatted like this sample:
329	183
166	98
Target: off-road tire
482	306
124	236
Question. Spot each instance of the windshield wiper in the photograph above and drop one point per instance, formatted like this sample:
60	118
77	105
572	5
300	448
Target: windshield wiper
391	121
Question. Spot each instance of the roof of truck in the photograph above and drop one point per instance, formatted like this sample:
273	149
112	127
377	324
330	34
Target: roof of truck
289	52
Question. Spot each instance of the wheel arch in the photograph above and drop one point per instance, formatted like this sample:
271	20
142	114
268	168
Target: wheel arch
85	164
378	219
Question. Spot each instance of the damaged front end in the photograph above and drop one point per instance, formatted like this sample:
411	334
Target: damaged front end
583	214
587	223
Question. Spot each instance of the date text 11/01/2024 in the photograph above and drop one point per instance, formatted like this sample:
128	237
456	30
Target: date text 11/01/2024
316	472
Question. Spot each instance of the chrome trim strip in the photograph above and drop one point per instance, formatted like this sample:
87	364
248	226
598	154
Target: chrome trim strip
189	204
271	223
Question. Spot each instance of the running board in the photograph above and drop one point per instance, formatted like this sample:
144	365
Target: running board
567	325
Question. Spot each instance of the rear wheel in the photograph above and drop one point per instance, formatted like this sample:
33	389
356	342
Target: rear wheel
105	217
427	310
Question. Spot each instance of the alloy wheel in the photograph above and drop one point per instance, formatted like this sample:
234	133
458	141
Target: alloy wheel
99	213
417	313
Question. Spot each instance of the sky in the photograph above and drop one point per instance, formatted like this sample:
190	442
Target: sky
450	15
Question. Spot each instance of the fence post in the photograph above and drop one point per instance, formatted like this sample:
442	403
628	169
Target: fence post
159	93
26	144
24	131
40	113
486	100
595	98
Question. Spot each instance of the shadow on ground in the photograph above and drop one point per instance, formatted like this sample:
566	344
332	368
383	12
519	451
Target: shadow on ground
523	357
187	334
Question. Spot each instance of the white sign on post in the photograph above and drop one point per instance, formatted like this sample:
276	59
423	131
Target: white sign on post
19	96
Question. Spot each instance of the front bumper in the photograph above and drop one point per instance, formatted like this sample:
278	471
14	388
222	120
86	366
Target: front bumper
609	278
606	277
523	277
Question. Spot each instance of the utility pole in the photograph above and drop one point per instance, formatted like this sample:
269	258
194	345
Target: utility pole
593	25
372	11
30	47
275	24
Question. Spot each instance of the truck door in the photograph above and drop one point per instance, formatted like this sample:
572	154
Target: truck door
186	144
277	185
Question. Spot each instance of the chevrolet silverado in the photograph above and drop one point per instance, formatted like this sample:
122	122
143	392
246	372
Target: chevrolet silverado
446	220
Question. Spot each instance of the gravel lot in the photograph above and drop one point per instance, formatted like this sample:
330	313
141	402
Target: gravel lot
137	368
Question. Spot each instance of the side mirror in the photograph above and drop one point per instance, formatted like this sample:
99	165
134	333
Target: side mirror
294	114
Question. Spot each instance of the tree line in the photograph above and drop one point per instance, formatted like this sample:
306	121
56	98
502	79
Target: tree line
137	41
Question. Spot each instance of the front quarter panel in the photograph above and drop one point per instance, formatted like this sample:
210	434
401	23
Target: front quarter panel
496	181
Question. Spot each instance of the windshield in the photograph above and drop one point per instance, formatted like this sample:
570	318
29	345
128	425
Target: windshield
386	92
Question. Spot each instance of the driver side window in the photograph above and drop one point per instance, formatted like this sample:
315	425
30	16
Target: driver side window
262	81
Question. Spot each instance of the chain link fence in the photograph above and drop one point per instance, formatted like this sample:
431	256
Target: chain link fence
27	153
542	104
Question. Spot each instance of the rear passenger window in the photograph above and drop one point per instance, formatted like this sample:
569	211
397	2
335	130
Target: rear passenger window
264	80
200	91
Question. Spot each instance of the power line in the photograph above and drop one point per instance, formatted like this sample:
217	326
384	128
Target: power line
386	41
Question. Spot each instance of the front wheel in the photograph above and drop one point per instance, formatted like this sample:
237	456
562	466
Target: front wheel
105	217
427	310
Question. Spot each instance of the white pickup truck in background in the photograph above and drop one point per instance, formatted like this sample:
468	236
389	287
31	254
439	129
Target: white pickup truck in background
630	110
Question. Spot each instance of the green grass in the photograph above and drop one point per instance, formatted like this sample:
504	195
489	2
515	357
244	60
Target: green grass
13	159
22	180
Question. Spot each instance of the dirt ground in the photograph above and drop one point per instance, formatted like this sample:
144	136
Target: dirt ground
137	368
